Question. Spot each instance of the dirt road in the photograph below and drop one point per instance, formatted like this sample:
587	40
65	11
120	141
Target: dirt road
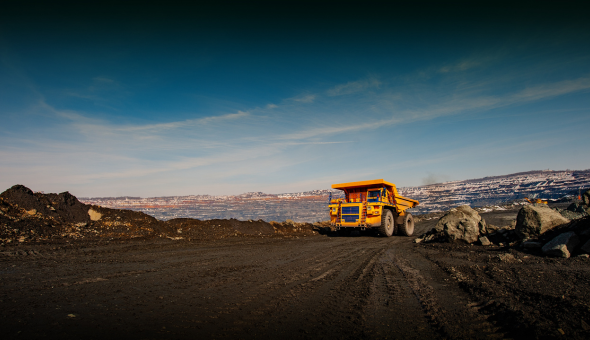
320	286
313	287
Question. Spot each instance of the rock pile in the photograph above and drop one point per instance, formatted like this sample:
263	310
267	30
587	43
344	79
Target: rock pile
574	211
560	239
538	228
565	240
464	224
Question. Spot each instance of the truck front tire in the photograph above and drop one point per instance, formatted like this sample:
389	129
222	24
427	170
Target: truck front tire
407	229
387	227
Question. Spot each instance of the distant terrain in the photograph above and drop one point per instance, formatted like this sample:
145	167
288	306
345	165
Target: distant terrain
311	206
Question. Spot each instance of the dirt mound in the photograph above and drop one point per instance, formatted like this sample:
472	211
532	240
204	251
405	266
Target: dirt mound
26	216
119	223
64	207
192	229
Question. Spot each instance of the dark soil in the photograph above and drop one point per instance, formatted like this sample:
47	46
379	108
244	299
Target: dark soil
28	217
130	276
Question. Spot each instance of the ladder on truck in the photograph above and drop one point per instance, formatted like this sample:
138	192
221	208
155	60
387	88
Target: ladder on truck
339	215
363	210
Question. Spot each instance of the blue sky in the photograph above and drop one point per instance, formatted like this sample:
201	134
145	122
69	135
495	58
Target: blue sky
152	100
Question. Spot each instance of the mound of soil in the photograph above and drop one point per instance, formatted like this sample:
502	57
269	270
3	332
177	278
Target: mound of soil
63	208
26	216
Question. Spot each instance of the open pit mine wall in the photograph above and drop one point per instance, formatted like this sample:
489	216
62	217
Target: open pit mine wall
499	189
312	206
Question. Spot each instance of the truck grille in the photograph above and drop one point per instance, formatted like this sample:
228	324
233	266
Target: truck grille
350	218
350	214
350	210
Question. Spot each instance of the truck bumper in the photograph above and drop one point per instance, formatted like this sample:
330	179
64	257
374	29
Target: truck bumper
356	225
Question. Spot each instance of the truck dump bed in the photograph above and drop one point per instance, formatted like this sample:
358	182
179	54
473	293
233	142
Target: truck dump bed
403	202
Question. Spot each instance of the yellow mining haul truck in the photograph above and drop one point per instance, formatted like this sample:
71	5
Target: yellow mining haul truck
372	204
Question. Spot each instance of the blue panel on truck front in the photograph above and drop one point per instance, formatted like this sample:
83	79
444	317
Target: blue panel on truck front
350	210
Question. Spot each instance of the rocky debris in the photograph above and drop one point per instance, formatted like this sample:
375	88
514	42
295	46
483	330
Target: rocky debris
576	207
94	215
486	234
573	211
562	241
570	215
533	221
506	257
538	229
484	241
503	236
490	228
562	245
458	224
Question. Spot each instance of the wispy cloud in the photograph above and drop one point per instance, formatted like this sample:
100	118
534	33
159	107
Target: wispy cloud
190	123
462	65
308	98
334	130
354	87
446	103
477	61
549	90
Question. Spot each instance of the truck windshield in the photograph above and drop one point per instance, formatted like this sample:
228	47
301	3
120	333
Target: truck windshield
373	196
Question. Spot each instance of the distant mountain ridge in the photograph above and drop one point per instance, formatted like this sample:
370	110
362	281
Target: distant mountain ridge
547	184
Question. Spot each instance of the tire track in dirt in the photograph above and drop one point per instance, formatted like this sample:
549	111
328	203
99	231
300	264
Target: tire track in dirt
303	293
450	312
392	305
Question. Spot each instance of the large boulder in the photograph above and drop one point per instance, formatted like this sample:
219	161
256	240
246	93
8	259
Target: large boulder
586	198
562	245
461	223
533	221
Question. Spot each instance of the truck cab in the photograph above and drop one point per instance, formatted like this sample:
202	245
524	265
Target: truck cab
373	204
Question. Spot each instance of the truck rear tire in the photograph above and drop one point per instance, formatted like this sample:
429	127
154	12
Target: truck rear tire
407	228
387	227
